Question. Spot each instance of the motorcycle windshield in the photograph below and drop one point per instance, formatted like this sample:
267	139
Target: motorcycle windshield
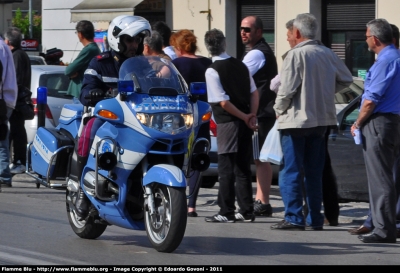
153	75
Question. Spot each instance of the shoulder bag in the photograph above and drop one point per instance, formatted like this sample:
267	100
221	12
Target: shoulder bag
24	104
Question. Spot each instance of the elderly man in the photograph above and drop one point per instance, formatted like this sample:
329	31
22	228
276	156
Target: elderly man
379	122
311	74
234	100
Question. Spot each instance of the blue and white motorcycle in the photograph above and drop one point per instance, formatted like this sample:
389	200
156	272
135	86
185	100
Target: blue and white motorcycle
135	176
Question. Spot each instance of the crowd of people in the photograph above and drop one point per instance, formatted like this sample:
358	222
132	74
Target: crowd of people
247	97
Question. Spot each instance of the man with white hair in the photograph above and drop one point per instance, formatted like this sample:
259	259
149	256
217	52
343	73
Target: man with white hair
311	74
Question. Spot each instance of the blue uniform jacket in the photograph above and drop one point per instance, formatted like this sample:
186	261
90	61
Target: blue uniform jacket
102	73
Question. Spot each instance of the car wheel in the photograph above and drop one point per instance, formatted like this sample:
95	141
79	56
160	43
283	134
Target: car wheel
208	182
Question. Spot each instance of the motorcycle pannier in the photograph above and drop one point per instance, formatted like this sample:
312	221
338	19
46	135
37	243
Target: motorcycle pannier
47	141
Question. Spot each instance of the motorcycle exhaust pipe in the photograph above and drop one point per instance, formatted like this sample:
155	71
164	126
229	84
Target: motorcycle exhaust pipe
200	162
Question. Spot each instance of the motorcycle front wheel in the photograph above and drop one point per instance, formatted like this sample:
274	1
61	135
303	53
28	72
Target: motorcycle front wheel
166	228
86	229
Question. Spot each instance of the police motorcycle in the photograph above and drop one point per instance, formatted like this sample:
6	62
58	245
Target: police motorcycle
135	176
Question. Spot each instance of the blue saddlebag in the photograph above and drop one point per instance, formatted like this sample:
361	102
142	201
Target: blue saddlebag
47	141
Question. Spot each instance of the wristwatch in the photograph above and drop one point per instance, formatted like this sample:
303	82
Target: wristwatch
356	125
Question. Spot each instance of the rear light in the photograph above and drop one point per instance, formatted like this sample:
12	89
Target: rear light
213	128
34	101
48	113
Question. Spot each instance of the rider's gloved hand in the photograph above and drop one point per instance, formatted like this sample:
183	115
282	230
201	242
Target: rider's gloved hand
97	94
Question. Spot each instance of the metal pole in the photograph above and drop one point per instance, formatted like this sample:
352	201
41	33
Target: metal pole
30	19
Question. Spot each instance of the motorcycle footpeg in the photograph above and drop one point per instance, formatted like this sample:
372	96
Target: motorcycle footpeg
102	222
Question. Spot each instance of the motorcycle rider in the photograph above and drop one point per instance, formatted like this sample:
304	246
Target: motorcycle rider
125	37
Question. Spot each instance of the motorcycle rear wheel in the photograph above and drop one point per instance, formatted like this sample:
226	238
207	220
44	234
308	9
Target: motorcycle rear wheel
166	228
86	229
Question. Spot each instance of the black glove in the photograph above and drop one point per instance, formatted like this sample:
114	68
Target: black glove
96	94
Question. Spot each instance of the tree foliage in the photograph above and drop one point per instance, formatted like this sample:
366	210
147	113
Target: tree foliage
22	22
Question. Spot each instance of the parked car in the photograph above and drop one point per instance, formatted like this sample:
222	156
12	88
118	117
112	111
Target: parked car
52	77
347	158
37	60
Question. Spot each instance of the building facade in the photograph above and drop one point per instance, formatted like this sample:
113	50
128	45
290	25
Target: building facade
342	22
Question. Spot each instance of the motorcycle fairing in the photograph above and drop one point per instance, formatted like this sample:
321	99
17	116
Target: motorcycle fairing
70	118
168	175
112	105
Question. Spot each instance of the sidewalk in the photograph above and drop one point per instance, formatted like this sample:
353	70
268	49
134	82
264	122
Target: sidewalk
352	214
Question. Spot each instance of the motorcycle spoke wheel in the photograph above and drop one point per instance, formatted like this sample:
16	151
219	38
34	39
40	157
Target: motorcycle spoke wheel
165	229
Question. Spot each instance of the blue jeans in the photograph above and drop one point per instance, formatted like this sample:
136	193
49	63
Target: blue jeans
5	175
303	151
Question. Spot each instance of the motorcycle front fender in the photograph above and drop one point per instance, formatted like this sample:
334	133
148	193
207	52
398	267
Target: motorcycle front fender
168	175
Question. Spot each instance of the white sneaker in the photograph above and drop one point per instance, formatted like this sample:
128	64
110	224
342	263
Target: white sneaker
17	168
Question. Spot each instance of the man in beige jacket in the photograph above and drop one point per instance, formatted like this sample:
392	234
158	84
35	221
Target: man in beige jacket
311	74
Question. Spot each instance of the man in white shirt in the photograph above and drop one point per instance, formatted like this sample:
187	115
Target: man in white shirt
234	100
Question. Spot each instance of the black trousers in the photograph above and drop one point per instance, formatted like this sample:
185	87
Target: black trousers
381	144
18	137
235	175
329	187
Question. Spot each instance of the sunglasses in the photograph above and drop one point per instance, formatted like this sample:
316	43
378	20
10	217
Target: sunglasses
135	39
245	29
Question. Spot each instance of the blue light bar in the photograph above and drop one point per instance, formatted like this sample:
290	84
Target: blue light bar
125	86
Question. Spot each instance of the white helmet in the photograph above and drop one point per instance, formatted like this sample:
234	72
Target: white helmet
126	25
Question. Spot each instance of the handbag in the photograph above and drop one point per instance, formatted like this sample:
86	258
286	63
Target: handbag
271	151
25	105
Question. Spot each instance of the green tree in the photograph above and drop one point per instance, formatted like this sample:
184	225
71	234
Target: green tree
22	22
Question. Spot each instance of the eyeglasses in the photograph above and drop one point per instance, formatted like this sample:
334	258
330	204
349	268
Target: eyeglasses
245	29
367	37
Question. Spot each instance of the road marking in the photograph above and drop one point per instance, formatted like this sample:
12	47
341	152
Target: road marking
18	255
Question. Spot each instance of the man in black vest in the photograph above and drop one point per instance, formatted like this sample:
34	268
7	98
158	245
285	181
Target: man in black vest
234	100
261	62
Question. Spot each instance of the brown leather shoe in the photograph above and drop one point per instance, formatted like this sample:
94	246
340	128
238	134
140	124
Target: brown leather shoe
360	230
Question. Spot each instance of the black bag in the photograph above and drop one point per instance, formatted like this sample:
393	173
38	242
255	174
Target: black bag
24	104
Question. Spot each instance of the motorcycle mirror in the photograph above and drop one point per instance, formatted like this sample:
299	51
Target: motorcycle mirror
198	88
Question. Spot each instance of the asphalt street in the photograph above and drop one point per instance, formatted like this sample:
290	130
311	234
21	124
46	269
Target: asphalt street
35	230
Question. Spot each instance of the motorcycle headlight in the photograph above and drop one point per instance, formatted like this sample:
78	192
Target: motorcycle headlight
171	123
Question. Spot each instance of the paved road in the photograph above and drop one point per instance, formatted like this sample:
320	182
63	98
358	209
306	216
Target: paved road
35	231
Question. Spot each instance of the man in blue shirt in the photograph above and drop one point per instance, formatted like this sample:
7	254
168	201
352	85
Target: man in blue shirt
379	122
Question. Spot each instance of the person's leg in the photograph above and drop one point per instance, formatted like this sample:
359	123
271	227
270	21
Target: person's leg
290	178
5	175
195	176
313	166
329	188
244	189
226	191
82	202
18	138
263	171
194	188
380	152
397	181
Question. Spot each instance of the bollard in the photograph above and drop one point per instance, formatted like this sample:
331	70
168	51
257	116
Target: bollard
41	105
